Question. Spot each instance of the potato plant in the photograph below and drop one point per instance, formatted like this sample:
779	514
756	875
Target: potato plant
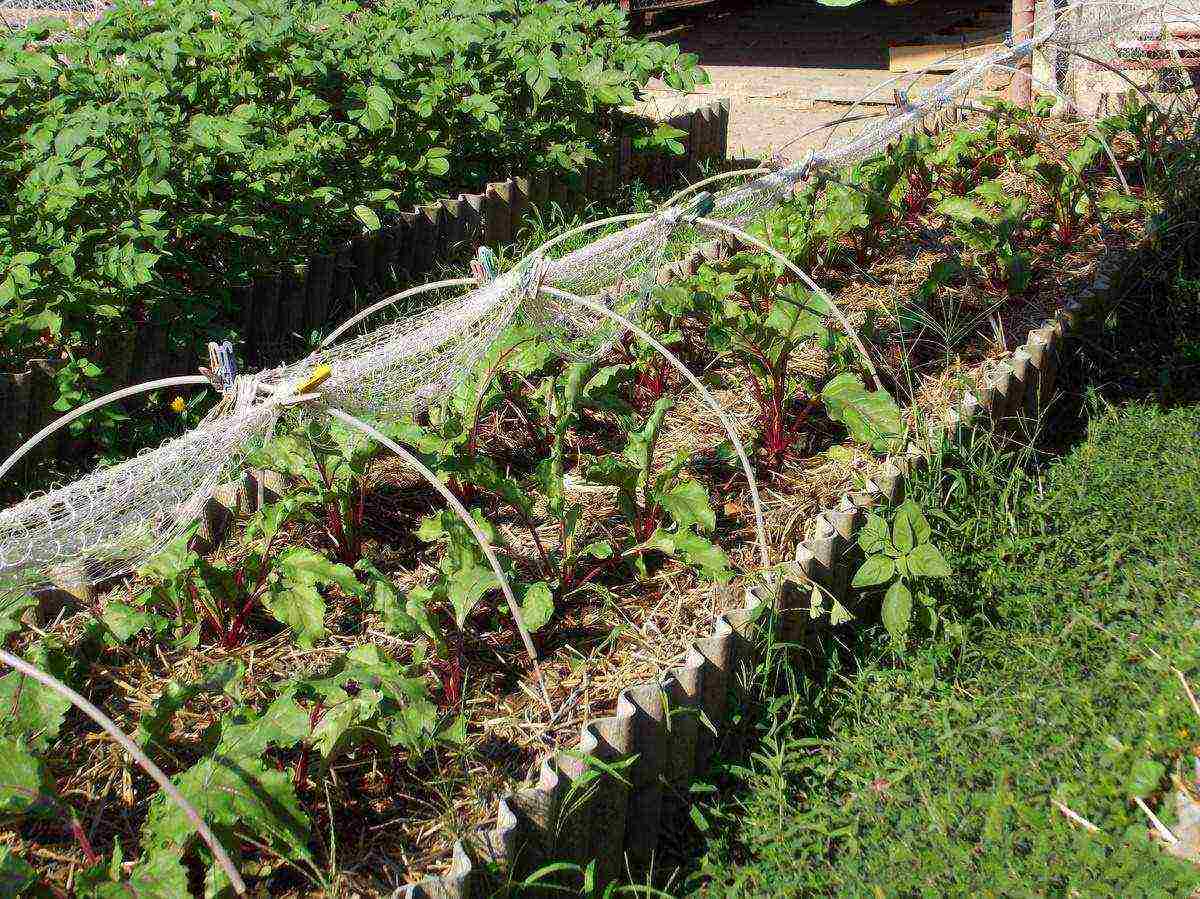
169	150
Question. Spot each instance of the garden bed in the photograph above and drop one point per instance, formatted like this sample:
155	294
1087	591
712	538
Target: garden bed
443	717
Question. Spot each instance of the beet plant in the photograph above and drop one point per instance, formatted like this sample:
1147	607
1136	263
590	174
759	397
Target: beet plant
666	511
992	225
912	155
760	325
662	512
219	597
449	438
258	757
969	156
1070	201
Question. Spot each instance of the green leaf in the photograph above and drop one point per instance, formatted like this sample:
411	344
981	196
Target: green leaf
366	694
897	610
839	614
792	315
243	793
961	209
1144	777
404	619
916	518
925	560
337	721
11	609
286	455
25	787
124	621
378	109
436	161
159	875
872	417
304	566
992	191
16	875
874	571
874	534
367	216
903	538
537	606
248	734
466	587
32	711
639	446
599	549
703	554
174	560
687	503
300	607
1119	201
431	528
613	471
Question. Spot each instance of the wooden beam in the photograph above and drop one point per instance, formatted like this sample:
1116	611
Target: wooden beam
937	57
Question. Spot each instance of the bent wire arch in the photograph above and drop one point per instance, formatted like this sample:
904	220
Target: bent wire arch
100	402
220	856
709	399
388	301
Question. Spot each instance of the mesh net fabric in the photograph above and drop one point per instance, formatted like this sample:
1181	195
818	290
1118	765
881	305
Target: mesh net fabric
19	13
116	519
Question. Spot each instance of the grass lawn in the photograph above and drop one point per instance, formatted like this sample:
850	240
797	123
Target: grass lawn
1075	594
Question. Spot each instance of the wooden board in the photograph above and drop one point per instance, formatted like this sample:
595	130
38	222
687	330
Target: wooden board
939	57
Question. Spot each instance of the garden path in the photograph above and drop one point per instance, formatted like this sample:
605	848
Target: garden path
791	66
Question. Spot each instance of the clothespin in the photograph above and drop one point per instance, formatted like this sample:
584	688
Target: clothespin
222	366
537	275
483	266
900	103
702	205
316	378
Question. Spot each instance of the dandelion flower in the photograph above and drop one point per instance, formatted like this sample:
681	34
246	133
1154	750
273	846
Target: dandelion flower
177	405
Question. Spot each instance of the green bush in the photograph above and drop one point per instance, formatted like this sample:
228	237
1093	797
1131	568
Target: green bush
168	150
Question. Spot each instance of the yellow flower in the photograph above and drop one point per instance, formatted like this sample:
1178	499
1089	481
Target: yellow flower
177	405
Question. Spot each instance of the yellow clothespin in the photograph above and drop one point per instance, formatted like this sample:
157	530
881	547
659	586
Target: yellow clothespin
319	376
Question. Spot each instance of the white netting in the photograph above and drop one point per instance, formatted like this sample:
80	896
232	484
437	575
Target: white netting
117	518
19	13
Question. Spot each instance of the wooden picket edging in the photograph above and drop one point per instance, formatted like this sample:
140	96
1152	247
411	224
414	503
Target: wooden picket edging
277	310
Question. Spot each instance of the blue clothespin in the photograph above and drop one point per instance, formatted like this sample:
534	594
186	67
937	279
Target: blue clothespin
483	266
222	364
702	205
